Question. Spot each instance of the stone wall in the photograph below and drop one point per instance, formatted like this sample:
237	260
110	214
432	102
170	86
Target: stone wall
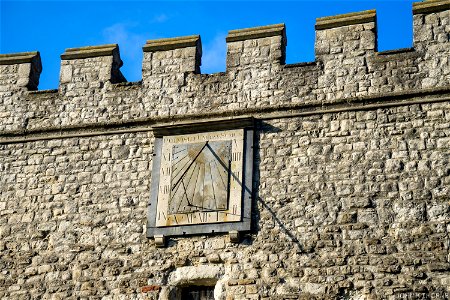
352	172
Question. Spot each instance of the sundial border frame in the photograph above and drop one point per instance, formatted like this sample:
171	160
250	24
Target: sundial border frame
248	124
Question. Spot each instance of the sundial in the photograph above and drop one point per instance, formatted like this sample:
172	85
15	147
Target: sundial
201	181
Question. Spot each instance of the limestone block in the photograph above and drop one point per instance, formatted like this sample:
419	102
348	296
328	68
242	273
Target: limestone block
196	275
66	74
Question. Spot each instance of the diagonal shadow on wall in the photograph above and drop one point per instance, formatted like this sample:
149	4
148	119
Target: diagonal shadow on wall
259	203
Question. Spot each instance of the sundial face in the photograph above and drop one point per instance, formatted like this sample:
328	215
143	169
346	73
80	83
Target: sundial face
201	178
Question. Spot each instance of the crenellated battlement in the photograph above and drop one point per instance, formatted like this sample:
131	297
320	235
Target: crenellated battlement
93	64
259	45
20	70
347	65
333	34
172	55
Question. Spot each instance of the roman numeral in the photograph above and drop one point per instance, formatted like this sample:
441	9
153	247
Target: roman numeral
203	216
161	215
167	156
190	218
236	156
235	209
165	189
235	176
166	171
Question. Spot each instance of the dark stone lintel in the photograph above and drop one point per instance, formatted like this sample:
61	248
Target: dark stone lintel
90	51
216	125
346	19
172	43
19	58
257	32
430	6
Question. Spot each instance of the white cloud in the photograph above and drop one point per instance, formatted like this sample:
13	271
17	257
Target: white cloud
161	18
130	42
130	45
214	54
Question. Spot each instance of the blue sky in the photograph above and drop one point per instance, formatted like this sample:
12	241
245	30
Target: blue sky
52	26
